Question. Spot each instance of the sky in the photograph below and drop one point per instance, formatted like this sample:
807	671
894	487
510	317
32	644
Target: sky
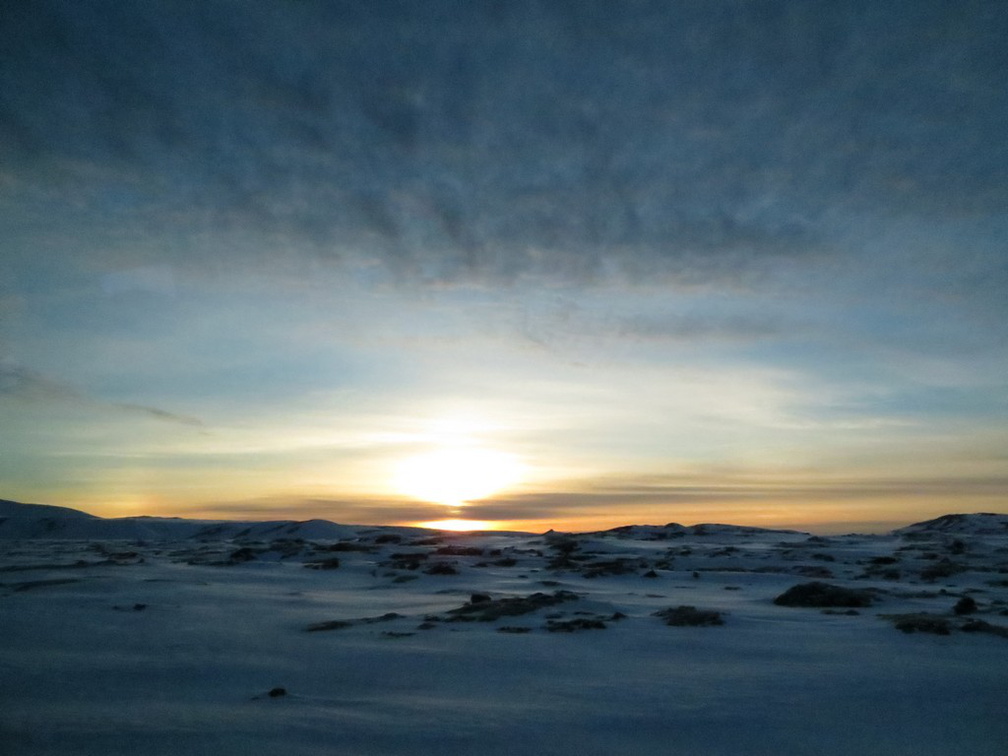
520	263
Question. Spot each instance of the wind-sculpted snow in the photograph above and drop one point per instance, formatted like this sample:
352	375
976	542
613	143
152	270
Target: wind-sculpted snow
308	638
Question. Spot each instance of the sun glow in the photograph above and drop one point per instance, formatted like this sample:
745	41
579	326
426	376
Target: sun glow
461	526
454	476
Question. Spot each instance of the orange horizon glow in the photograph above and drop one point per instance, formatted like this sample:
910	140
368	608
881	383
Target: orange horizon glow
824	514
462	526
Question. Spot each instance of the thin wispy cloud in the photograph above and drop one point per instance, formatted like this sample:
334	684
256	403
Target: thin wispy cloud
18	383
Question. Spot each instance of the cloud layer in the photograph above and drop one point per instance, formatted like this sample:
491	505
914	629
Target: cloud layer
493	141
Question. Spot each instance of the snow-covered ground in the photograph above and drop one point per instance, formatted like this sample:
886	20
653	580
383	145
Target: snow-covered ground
148	636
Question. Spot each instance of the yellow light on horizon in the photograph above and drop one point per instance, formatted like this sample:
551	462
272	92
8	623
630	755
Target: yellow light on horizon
461	526
454	476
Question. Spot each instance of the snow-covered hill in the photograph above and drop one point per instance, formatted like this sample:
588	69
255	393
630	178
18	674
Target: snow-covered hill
980	523
17	509
32	521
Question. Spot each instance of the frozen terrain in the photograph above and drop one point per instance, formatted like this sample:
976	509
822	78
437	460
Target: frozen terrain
164	636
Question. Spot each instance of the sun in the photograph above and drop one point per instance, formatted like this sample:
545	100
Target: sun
454	476
460	526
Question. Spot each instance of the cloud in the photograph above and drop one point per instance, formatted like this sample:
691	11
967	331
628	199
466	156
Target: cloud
342	510
606	498
496	142
148	279
708	327
159	414
23	384
19	382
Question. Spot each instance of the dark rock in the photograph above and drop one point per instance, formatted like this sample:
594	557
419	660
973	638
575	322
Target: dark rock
575	624
883	560
277	692
244	554
441	568
813	571
32	584
513	606
479	598
387	617
341	624
347	546
329	625
324	564
609	567
925	623
690	616
965	605
979	626
407	560
564	545
459	551
942	569
823	595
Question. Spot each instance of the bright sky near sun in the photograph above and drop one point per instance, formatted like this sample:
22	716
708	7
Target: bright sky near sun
527	264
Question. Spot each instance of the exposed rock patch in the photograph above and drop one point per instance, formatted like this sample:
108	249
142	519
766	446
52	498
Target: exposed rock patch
494	609
822	595
690	616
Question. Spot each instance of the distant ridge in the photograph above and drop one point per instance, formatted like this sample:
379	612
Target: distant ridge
41	521
978	523
17	509
673	529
